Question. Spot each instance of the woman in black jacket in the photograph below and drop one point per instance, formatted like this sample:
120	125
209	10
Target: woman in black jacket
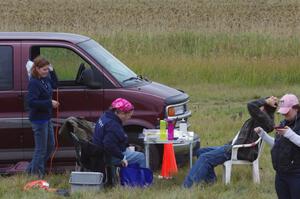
286	148
40	112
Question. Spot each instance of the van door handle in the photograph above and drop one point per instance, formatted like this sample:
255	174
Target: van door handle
20	96
23	100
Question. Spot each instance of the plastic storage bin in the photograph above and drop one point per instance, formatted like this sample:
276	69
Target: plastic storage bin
86	181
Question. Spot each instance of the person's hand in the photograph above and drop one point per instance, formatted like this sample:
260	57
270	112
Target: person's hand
272	101
282	131
258	130
51	67
124	163
55	103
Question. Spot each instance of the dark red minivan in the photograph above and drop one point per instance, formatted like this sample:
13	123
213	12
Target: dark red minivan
103	78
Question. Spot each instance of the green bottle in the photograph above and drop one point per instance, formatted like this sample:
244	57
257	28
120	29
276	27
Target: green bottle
163	132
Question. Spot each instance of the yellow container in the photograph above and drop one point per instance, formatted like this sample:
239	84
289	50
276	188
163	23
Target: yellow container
163	131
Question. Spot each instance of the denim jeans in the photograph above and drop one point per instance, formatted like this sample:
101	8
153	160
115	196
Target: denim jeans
203	169
287	185
44	145
132	157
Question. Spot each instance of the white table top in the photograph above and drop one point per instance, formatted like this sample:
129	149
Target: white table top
152	136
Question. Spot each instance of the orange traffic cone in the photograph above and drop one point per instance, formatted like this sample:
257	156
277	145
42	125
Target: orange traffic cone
169	165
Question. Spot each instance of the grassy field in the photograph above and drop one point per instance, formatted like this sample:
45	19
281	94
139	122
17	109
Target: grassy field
108	17
221	52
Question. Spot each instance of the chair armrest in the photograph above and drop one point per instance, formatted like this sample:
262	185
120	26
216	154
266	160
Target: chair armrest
247	145
235	148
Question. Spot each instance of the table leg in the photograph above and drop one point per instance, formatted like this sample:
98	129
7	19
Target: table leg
191	154
147	155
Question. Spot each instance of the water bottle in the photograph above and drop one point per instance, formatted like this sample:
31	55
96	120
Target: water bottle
170	129
183	127
162	132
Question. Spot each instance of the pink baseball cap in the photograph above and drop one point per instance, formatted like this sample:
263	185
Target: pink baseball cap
287	102
122	105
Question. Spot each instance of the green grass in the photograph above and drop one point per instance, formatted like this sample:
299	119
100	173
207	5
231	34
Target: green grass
190	58
189	43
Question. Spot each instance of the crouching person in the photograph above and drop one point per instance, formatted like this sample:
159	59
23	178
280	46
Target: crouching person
110	135
262	114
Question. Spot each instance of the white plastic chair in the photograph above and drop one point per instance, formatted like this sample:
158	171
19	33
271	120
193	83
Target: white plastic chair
227	166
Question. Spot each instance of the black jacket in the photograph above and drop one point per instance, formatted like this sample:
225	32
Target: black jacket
264	119
285	154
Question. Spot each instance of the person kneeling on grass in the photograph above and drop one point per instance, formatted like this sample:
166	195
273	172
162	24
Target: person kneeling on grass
262	114
286	148
110	135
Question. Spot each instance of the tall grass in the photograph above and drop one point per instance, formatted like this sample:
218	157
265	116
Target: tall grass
154	16
190	58
250	45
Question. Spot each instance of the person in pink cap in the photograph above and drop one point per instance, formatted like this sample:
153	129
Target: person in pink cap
109	134
285	150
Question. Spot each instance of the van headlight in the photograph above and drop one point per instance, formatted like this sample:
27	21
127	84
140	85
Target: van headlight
176	110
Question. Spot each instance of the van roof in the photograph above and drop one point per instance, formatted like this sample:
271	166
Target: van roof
69	37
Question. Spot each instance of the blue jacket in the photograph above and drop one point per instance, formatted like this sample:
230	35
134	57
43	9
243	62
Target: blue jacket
39	98
110	135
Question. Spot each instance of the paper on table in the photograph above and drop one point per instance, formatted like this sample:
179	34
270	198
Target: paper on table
153	134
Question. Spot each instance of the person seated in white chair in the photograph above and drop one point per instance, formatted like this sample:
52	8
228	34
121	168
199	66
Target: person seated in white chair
262	114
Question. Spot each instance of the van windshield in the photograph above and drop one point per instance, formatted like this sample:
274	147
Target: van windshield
116	68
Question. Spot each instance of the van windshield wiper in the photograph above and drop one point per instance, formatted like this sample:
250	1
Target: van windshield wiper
131	78
139	77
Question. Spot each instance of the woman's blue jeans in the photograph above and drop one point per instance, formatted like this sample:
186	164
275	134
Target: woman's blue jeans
44	145
132	157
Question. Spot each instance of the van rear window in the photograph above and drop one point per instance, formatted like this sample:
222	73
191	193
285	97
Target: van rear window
6	67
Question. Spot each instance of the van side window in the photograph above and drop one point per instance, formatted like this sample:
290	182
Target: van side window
68	65
6	67
65	62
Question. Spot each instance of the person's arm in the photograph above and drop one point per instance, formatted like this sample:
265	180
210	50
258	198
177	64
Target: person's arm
292	136
264	136
266	121
111	142
33	98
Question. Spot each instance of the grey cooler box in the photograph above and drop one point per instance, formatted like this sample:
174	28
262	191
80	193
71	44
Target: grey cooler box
86	181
